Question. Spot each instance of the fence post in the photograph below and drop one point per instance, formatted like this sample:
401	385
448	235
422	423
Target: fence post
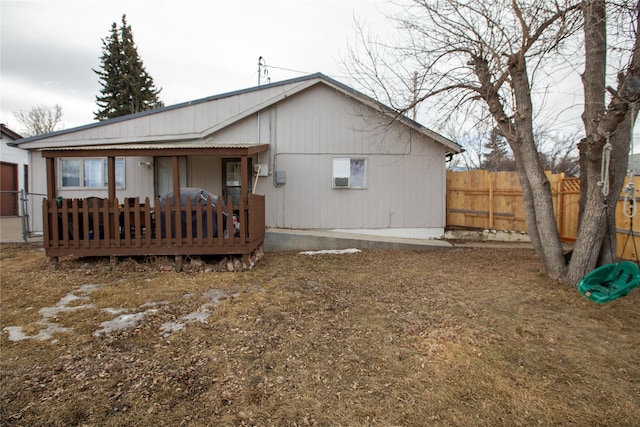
559	187
490	177
23	211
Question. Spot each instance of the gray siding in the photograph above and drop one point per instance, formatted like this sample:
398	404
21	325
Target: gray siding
307	125
405	172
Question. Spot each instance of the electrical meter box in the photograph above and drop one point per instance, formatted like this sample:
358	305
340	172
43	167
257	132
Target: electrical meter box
281	177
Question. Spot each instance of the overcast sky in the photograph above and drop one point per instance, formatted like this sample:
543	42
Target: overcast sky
194	49
191	48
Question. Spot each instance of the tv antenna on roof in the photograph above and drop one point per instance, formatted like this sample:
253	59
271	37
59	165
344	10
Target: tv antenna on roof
262	69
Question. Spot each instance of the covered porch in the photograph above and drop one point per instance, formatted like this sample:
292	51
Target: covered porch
146	224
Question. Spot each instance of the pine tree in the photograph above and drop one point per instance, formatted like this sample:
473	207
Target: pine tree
127	88
497	156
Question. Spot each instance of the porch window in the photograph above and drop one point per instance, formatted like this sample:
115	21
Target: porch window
90	173
349	173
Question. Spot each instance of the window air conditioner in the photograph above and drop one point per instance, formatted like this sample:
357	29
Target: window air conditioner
341	182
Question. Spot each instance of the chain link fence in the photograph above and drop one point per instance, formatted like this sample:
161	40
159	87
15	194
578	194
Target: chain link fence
20	216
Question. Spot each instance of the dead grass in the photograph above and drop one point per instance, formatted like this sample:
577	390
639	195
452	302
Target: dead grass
446	337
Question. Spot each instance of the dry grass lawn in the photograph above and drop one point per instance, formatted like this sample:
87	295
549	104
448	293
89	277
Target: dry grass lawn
457	337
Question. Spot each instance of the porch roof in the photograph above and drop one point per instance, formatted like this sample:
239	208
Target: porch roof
157	149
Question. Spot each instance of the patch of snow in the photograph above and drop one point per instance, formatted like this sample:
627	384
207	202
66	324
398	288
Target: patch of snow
51	328
16	333
197	316
111	310
331	251
201	314
49	312
90	287
124	321
154	304
216	295
68	299
169	327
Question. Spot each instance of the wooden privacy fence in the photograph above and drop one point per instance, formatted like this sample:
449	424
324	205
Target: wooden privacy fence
493	200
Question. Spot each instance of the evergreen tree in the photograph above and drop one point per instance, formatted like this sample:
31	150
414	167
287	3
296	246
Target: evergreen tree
127	88
497	156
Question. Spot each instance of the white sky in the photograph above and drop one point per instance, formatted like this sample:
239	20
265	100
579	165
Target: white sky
191	48
194	49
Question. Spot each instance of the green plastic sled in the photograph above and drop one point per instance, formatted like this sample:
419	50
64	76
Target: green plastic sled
610	281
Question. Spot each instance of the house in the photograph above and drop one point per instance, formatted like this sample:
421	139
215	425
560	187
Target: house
14	169
305	153
634	163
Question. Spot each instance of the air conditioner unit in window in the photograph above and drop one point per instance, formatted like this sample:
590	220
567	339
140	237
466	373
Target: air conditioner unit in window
341	182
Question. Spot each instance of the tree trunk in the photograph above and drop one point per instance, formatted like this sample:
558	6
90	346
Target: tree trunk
591	230
596	242
614	126
620	141
593	224
541	221
593	80
529	208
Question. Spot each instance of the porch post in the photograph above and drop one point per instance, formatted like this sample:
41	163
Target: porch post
111	174
51	177
50	165
244	185
176	206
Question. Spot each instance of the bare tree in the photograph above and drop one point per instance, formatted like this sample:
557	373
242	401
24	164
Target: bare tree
475	54
472	139
558	152
40	119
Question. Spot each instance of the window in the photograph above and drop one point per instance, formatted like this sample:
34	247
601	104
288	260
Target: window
70	173
164	173
90	173
349	173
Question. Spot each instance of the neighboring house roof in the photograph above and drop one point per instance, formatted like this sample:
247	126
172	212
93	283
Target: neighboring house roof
5	131
296	85
634	163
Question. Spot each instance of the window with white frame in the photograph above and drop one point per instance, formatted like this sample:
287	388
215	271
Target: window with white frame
89	173
349	173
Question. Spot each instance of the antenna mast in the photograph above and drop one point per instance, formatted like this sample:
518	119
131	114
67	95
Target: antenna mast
262	63
414	112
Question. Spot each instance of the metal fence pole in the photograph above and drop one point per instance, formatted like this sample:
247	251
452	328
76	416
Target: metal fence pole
24	213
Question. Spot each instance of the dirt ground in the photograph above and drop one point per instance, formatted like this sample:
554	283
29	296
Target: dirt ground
448	337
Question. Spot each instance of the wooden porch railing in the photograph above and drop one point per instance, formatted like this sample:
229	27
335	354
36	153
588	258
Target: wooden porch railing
104	227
